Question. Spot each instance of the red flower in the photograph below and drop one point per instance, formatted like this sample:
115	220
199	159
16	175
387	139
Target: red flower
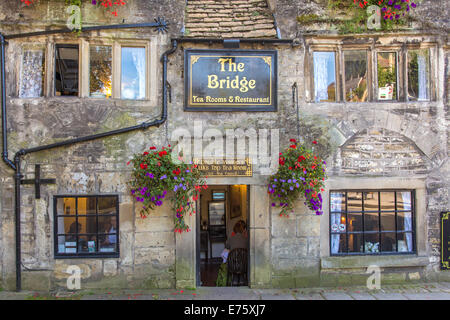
301	158
145	153
293	146
314	142
290	168
293	140
128	163
176	172
152	148
143	166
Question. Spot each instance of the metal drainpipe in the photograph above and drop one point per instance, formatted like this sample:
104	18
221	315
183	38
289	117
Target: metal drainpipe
17	179
4	119
22	152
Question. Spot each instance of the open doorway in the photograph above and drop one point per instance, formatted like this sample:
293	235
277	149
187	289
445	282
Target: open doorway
223	236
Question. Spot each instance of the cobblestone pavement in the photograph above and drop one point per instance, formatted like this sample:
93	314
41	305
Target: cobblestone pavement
429	291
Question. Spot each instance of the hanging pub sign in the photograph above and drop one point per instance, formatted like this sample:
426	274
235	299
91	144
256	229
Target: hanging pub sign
445	240
230	80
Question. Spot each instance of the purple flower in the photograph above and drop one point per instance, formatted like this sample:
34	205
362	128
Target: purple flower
163	177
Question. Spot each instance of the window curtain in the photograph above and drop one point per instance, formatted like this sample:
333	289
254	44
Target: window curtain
335	206
31	74
423	90
335	238
406	196
138	55
320	75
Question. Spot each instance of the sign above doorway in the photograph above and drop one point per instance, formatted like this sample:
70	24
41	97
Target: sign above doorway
225	167
230	80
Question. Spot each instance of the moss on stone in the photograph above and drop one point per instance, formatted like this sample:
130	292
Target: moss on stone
308	18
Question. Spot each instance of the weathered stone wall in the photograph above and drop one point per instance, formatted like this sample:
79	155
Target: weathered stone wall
412	137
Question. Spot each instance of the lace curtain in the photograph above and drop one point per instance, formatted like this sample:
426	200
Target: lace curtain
133	73
31	75
423	90
321	61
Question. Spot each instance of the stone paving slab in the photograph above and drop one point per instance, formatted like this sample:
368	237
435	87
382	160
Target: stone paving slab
427	296
389	296
336	296
362	296
277	297
313	296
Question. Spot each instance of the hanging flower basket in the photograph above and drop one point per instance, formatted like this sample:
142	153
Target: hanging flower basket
390	9
157	176
300	172
111	4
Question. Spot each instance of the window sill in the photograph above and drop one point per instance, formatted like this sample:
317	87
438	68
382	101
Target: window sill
348	262
89	256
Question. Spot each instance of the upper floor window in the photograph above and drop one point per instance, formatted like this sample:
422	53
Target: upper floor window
32	72
372	222
86	226
98	69
387	75
419	75
324	77
362	75
356	76
133	75
66	70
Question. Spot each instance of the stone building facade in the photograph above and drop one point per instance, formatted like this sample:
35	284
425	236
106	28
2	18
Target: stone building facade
373	146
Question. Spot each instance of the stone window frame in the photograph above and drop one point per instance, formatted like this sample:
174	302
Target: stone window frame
116	46
418	258
432	49
336	46
379	232
95	255
49	47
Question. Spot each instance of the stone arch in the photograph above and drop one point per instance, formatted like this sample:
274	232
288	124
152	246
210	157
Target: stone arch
380	151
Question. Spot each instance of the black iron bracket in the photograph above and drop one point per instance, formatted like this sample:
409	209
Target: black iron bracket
37	181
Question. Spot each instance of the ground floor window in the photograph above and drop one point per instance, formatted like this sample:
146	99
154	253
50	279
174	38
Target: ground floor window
86	226
372	222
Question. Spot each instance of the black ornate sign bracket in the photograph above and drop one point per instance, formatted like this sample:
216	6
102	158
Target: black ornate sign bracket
37	181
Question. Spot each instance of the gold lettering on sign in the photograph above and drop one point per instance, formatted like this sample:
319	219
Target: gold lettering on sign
225	168
227	65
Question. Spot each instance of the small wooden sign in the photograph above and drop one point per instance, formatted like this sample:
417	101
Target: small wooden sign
225	167
445	240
